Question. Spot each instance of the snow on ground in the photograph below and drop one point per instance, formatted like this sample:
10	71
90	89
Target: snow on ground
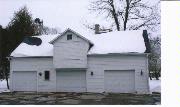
155	85
3	86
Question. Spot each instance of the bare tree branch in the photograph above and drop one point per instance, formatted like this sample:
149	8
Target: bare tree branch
108	7
128	14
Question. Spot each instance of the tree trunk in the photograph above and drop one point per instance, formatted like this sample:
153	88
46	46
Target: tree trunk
7	73
126	14
115	15
7	81
5	70
150	76
117	22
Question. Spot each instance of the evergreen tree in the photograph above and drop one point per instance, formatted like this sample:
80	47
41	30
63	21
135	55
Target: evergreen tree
4	49
21	25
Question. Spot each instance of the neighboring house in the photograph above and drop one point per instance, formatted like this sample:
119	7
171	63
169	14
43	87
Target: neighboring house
70	62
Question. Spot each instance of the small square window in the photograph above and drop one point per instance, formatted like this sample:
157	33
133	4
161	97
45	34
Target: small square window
69	37
46	75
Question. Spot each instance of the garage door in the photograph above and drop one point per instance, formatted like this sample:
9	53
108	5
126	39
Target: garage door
120	81
71	81
24	81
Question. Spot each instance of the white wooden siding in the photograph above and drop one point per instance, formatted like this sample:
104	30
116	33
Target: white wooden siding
39	65
98	64
70	53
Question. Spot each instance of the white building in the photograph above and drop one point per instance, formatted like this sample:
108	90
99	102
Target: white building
70	62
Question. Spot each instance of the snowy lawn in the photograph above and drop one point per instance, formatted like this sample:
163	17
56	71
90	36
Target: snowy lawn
155	85
3	86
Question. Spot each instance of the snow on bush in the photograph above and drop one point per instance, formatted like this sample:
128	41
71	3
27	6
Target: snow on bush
3	86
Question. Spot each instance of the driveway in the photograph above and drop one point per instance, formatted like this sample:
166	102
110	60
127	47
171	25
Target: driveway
77	98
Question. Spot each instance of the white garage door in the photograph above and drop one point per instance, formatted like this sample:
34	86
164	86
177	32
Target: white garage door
71	81
24	81
120	81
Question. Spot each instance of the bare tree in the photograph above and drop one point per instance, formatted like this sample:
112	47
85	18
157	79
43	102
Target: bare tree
145	16
48	30
128	14
41	29
108	7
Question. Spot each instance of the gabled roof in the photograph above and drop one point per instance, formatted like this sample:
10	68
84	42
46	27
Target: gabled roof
118	42
67	30
43	50
135	41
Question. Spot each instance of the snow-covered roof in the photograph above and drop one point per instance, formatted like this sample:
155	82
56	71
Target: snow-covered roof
45	49
118	42
111	42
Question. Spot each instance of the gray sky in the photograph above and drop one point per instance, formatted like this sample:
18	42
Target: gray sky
55	13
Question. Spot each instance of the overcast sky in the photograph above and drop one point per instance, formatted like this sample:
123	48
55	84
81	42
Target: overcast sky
55	13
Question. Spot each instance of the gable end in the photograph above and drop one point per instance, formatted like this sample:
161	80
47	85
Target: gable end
54	40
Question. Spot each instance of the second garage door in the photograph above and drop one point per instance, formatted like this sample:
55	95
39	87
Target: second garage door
119	81
24	81
71	81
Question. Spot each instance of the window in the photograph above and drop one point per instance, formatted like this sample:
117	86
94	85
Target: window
46	75
69	37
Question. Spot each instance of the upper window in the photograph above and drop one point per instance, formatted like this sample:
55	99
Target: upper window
69	37
46	75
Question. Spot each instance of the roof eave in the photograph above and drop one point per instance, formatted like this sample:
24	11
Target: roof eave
114	54
31	57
